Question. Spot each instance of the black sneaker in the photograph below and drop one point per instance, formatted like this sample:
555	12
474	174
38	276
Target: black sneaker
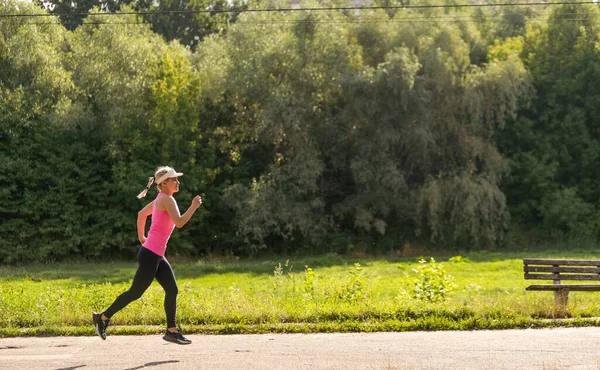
100	325
176	337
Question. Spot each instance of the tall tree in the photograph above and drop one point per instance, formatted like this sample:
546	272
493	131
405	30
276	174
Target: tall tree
554	147
190	21
54	164
187	21
72	13
367	139
146	93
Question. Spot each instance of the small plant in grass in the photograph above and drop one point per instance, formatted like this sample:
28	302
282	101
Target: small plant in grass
432	282
353	290
278	276
279	282
309	282
459	259
291	280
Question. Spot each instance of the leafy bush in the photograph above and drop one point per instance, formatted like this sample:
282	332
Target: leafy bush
432	282
566	212
353	290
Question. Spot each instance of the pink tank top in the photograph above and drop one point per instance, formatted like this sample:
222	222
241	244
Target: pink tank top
161	229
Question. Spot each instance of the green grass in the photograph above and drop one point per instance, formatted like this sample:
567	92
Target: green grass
268	296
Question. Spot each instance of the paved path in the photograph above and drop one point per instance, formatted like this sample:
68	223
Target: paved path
547	349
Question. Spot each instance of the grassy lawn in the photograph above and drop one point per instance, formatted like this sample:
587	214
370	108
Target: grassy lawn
336	294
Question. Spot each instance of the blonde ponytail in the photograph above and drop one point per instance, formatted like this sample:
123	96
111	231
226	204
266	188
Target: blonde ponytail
145	191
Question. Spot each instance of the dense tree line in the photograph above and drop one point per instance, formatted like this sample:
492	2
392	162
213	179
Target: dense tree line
303	131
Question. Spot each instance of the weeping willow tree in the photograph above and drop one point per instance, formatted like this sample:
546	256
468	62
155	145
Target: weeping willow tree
364	127
423	150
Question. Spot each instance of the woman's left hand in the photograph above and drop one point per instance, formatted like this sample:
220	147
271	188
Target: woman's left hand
197	201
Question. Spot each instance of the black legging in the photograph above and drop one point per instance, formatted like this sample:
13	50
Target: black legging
151	266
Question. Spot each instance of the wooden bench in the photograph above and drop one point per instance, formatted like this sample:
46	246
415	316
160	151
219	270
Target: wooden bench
560	270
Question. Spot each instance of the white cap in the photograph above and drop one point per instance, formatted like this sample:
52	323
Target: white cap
170	173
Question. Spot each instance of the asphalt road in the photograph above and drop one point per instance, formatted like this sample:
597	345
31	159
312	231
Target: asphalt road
568	348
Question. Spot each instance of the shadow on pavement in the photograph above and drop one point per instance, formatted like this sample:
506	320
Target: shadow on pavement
153	364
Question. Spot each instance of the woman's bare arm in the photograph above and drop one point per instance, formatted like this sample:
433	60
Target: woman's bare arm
141	221
170	205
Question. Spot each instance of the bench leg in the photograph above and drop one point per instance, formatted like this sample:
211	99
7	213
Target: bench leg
561	300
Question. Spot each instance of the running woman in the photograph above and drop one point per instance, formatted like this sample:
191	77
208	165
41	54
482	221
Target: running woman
151	255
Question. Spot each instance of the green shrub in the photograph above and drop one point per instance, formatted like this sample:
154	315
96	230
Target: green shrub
432	282
353	290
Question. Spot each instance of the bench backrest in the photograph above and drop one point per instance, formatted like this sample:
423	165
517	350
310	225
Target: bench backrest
557	270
